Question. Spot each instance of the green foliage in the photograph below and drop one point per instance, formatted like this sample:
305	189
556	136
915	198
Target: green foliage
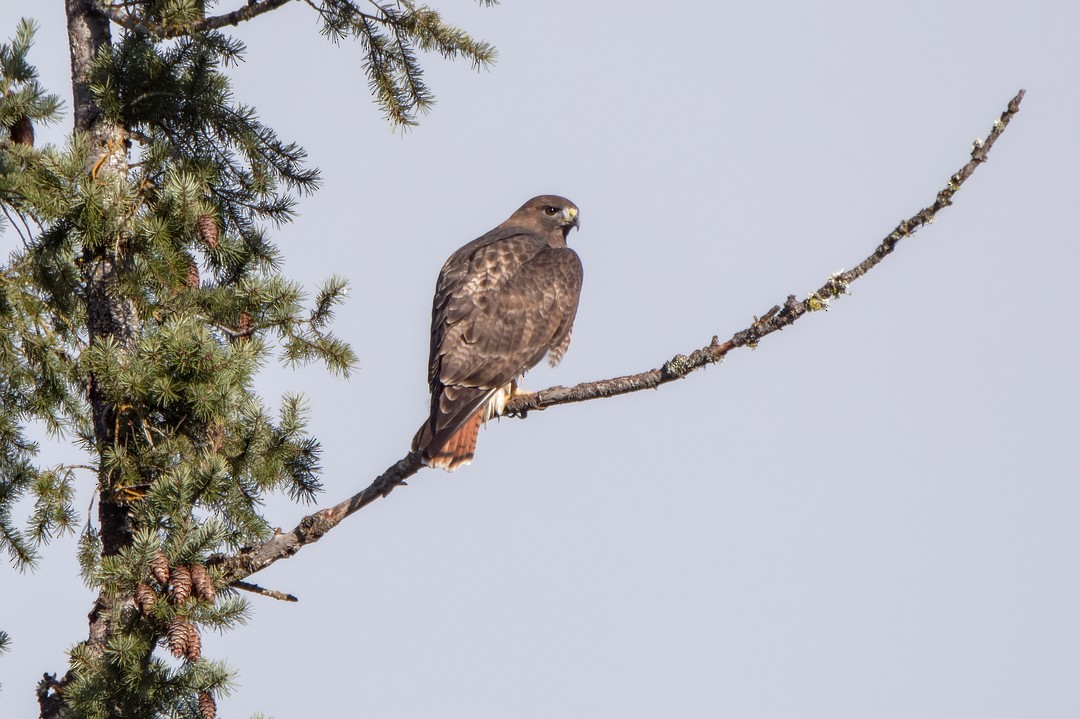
184	447
203	153
120	687
5	642
36	382
390	35
141	300
21	95
172	13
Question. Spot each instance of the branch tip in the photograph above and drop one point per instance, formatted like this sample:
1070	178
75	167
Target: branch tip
256	589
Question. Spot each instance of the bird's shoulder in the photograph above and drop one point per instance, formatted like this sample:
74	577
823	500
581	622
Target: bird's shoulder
489	260
507	245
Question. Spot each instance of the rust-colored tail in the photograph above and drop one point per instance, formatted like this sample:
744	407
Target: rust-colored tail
458	450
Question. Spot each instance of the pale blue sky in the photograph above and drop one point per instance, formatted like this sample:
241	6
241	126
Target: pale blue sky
872	515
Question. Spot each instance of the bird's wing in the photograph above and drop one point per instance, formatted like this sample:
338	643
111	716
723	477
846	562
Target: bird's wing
498	310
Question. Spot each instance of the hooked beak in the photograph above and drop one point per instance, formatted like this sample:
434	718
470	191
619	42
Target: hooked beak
570	218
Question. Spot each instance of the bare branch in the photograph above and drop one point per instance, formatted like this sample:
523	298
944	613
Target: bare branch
776	318
314	526
262	591
126	20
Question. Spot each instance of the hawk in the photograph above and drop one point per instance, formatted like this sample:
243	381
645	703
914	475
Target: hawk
502	302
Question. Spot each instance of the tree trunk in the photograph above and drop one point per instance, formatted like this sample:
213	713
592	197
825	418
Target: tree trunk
109	315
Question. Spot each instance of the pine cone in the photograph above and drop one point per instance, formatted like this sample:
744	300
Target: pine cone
22	131
144	598
178	636
200	580
180	589
192	279
159	568
245	326
208	230
207	706
194	644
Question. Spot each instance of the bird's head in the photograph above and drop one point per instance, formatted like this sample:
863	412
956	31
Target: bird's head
550	214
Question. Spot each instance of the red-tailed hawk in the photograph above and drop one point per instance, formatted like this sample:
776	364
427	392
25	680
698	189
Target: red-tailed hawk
502	302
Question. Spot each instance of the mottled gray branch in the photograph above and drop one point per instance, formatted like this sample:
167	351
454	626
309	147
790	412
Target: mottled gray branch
314	526
262	591
778	317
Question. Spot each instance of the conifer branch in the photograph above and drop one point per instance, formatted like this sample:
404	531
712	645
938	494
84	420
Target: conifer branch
130	22
313	527
24	238
356	12
253	9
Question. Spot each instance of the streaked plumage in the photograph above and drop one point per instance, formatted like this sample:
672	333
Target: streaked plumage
502	302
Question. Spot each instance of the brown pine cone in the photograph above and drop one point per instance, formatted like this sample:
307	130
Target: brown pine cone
178	636
144	598
200	580
208	230
194	644
207	706
180	588
22	131
159	568
245	327
192	278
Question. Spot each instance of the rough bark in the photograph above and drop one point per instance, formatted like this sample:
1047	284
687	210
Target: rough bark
109	315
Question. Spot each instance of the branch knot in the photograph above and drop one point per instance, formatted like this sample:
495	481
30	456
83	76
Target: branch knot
676	367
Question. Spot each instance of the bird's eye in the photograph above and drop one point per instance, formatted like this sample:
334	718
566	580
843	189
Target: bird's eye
551	210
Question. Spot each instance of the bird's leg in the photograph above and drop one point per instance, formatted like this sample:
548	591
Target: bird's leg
497	404
512	390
